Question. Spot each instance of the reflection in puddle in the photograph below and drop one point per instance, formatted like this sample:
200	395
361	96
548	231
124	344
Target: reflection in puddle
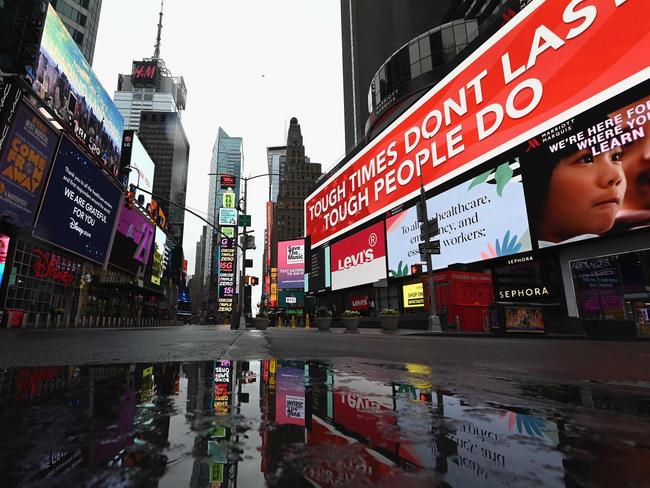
295	423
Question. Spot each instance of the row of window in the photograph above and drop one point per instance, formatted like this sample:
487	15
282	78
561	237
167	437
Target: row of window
71	13
429	51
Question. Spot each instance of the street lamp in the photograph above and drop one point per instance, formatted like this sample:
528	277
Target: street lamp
242	205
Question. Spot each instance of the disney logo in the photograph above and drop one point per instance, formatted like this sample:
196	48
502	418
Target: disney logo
74	225
45	267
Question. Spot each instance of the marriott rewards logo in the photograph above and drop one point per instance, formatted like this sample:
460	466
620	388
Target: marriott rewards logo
360	258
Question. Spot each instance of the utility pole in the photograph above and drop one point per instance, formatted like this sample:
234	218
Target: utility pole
427	232
242	308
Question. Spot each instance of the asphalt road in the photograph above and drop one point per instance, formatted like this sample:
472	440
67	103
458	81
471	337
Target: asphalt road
620	362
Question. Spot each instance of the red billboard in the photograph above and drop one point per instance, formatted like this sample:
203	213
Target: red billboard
551	62
360	258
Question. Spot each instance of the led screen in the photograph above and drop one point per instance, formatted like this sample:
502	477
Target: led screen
291	264
66	81
360	258
80	205
482	218
551	62
25	160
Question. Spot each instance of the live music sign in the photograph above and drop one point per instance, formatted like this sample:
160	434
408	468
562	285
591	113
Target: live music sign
552	61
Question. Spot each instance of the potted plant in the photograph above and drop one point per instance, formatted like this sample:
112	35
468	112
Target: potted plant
323	318
351	319
262	321
389	318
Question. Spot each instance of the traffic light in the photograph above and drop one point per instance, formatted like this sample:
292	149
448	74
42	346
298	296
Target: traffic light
130	199
247	280
254	280
416	269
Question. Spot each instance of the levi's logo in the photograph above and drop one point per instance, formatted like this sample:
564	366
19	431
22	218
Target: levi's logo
361	257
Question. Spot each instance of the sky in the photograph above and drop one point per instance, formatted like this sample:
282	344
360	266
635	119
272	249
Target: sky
248	67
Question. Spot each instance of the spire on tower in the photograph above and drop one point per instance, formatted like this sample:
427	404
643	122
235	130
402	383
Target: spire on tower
156	53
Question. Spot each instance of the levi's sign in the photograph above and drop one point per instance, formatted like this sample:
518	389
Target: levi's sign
507	91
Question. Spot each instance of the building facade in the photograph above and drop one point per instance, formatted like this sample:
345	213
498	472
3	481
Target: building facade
371	31
300	175
21	23
227	159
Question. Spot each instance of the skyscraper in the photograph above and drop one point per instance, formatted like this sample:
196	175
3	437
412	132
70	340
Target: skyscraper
276	157
21	23
81	18
372	30
151	101
298	180
227	158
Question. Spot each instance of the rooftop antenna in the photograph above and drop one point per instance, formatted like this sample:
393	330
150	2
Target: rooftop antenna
156	53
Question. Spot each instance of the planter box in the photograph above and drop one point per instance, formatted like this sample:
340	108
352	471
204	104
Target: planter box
261	323
389	322
351	323
323	323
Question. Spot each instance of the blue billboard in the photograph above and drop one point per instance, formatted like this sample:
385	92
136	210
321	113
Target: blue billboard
80	205
25	161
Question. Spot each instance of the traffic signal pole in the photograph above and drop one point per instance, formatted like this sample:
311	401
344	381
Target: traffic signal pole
433	320
242	307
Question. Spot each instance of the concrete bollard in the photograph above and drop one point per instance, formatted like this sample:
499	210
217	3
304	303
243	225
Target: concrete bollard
23	323
37	320
67	321
58	321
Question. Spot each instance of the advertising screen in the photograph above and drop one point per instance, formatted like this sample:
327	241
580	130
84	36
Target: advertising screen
513	86
413	295
67	82
319	268
227	216
524	319
290	396
133	240
141	168
589	176
158	257
221	387
226	273
144	73
482	218
291	299
80	205
291	264
25	161
360	258
4	249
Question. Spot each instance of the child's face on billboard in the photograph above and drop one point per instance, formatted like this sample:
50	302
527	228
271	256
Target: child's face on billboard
585	194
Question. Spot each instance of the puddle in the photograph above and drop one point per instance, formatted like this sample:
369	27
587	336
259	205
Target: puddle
310	423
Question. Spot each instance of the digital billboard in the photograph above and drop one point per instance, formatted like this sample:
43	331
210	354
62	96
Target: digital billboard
413	295
291	264
80	205
4	249
65	80
589	176
319	269
145	73
226	273
141	168
529	76
25	159
227	216
482	218
360	258
158	257
134	237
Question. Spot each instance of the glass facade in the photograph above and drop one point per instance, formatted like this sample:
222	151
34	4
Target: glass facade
227	158
420	56
41	280
81	18
614	287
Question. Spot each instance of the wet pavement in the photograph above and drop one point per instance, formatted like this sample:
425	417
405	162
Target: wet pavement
340	423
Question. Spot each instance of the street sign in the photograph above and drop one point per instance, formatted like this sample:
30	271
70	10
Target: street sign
382	283
244	220
248	263
432	228
432	247
247	241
